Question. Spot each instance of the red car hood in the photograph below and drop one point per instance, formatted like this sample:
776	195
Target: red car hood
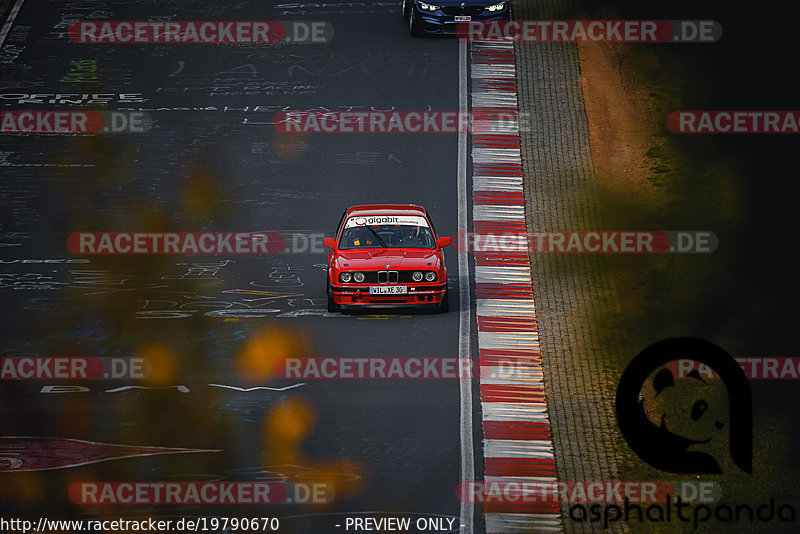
378	259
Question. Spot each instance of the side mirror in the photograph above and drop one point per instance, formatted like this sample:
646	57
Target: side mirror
329	242
443	242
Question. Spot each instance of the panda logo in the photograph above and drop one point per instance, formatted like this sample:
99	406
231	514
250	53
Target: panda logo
679	424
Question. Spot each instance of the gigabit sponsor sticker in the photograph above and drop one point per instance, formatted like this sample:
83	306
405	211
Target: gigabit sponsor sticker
386	219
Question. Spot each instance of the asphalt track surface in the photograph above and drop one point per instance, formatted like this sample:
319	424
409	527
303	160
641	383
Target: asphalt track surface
220	166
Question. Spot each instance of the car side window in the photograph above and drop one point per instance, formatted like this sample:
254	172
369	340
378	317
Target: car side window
339	226
430	221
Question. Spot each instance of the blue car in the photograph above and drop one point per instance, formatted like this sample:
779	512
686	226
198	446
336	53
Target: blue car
442	16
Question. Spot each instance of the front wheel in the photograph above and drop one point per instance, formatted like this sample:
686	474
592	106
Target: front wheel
414	24
406	10
332	306
444	305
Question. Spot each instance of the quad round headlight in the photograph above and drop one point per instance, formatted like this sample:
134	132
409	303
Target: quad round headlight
417	276
345	277
358	277
430	276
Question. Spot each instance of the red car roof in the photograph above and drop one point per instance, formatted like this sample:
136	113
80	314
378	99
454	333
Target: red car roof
384	208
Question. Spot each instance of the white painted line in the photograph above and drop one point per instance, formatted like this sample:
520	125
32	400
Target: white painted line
498	70
493	45
485	274
508	340
464	302
546	483
518	448
497	183
506	308
516	372
507	126
522	523
496	155
521	335
503	411
504	270
494	99
10	21
532	380
502	273
491	212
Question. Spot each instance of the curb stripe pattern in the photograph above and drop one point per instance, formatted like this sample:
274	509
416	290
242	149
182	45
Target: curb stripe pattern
516	427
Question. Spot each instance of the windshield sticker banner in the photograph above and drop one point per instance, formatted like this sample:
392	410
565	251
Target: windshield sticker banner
412	220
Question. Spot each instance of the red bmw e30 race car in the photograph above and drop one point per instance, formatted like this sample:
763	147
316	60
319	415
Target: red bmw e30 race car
386	256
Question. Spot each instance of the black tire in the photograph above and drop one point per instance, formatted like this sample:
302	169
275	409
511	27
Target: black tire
332	306
414	24
444	306
405	10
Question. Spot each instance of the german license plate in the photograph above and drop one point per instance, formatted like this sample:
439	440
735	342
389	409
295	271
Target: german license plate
463	18
388	290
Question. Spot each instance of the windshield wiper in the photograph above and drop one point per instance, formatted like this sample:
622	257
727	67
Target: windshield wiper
368	227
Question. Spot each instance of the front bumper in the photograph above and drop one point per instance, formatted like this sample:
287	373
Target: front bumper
438	22
359	296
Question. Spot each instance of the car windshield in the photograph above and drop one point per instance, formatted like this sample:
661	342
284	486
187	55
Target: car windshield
397	232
